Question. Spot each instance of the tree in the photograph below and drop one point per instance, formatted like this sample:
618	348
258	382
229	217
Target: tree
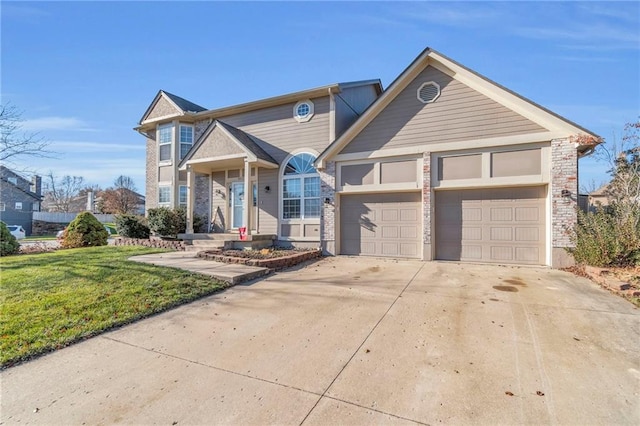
59	192
624	160
14	142
121	198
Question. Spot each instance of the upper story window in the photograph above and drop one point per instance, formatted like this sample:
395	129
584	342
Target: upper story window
2	207
18	205
186	139
165	138
300	188
13	180
303	111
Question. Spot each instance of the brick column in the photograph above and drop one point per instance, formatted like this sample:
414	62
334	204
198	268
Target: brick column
564	216
328	211
426	206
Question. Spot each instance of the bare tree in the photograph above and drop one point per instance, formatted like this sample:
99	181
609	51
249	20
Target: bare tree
14	142
121	198
60	192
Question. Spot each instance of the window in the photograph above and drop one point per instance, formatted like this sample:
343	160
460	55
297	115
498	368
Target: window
183	195
300	188
13	180
164	195
2	207
18	205
303	111
186	140
165	137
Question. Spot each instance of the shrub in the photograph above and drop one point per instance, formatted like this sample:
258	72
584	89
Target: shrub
8	243
85	231
169	223
131	226
164	222
606	238
198	221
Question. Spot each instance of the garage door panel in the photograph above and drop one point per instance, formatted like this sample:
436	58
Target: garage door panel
381	224
504	225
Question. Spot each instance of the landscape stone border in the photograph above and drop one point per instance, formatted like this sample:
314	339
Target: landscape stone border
273	263
605	278
177	245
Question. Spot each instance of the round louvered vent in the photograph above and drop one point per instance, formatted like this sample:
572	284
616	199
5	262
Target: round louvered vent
428	92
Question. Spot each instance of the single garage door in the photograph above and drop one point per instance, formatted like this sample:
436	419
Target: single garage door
381	224
502	225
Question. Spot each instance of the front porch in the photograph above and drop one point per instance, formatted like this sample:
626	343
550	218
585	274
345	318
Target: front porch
226	241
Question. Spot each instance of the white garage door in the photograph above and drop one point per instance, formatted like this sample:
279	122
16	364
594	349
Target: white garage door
381	224
502	225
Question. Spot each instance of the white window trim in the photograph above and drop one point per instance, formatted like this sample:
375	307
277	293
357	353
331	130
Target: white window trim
165	185
305	118
180	143
299	221
158	144
180	203
18	205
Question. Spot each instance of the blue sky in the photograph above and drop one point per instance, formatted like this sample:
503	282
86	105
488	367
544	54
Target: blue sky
83	73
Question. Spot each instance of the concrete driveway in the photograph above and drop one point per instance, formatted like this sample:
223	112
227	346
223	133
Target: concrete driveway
355	341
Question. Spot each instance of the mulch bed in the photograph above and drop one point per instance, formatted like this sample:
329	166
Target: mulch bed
266	258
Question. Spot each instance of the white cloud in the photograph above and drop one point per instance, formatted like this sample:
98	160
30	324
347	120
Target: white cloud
105	147
56	123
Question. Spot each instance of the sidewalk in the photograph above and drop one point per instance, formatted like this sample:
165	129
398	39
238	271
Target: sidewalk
188	261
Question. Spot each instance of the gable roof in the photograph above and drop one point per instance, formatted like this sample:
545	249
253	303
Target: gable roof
244	141
181	105
557	125
202	113
6	173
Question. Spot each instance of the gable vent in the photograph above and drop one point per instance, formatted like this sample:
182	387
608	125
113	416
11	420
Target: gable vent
428	92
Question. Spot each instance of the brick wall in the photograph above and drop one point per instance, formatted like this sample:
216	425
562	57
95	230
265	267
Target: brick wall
564	176
151	193
327	220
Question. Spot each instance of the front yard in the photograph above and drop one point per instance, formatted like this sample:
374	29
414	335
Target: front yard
50	300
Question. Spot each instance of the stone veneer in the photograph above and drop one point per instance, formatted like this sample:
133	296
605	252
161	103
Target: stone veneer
327	220
153	242
201	202
564	169
426	206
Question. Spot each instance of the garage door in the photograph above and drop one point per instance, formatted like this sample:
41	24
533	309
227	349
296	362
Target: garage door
381	224
504	225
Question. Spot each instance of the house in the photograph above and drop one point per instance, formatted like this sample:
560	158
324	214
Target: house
444	164
19	198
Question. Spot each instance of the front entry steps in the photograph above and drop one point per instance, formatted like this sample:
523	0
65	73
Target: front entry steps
226	241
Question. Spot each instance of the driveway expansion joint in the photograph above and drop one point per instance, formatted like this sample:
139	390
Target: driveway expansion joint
362	344
213	367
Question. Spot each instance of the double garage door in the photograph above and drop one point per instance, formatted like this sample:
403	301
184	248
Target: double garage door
502	225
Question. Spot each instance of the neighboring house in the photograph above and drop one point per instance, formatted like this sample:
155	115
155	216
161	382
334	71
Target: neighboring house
19	198
444	164
599	197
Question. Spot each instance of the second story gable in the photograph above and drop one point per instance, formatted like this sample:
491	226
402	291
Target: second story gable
19	193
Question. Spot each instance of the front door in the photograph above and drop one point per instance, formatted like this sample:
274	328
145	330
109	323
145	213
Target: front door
237	204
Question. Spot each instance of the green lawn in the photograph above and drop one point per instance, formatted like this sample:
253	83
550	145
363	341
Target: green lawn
50	300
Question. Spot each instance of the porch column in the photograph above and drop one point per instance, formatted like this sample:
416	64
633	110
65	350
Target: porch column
246	214
190	197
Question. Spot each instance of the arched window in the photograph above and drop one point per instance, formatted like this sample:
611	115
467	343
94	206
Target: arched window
300	188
